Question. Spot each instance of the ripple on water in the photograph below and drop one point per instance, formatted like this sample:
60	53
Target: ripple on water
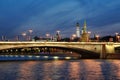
60	70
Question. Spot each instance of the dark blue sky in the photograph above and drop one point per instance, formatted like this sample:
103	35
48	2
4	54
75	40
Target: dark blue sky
47	16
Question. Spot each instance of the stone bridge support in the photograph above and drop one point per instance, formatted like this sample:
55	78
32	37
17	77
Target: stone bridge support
107	49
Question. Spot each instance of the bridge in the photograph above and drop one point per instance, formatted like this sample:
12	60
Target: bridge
101	48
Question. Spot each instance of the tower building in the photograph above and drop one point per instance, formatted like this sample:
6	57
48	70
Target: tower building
84	35
77	30
84	27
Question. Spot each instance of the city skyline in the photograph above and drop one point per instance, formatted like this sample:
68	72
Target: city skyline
45	16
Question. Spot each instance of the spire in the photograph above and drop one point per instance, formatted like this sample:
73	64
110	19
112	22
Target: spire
85	27
85	23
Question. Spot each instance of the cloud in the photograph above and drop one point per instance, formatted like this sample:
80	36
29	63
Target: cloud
105	30
45	16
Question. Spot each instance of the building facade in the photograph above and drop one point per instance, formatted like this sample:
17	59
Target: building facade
84	36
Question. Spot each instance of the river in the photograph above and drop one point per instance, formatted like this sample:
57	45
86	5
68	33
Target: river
84	69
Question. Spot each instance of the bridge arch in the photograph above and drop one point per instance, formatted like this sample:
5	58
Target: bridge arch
117	49
82	52
93	48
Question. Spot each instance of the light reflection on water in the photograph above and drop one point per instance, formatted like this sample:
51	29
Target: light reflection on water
60	70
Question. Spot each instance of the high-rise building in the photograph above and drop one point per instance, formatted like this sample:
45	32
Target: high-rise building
77	30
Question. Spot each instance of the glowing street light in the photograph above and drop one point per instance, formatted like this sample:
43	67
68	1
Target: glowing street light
97	37
30	31
89	33
58	31
47	36
116	33
24	34
74	35
117	36
3	38
58	35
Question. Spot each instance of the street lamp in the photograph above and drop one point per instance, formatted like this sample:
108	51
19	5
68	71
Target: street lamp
47	36
58	32
89	33
116	35
17	38
30	31
24	34
73	36
118	38
3	38
58	35
97	37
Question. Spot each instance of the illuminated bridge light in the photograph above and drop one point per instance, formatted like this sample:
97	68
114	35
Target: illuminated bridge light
11	55
56	57
67	57
6	55
2	55
45	56
11	50
22	56
37	56
6	50
16	55
30	56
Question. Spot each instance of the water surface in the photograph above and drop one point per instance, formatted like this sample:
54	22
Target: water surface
60	70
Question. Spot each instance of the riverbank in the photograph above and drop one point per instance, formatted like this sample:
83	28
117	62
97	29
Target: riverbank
34	57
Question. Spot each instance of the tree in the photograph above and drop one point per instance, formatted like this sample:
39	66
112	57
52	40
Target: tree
36	38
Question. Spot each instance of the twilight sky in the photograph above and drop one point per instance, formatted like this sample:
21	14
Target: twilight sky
48	16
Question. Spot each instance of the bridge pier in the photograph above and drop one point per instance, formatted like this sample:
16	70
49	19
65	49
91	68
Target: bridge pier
103	52
106	49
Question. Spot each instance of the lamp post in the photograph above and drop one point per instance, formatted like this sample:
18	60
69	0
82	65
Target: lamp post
17	38
116	35
58	31
58	35
30	32
3	38
73	37
97	37
89	33
24	35
118	38
47	36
